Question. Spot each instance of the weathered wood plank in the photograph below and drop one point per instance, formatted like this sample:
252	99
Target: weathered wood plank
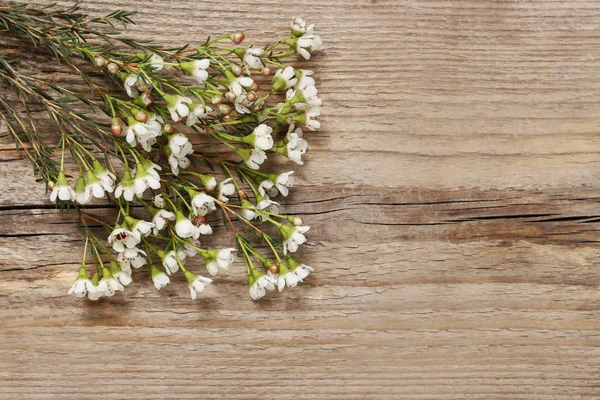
453	198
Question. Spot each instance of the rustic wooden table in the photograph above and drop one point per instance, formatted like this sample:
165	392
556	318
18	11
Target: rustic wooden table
453	194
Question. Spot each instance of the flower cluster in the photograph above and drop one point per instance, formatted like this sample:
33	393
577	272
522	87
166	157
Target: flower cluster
151	160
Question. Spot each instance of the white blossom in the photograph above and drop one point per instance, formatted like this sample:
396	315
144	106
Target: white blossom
296	147
178	106
284	79
303	270
62	189
252	57
109	285
267	188
185	228
283	181
219	260
144	180
197	283
145	134
156	62
239	88
308	43
199	112
121	238
197	68
159	278
224	189
203	203
260	137
160	219
286	278
81	286
131	257
253	158
304	79
107	178
293	237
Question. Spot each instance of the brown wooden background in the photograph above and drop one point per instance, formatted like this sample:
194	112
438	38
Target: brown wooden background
454	198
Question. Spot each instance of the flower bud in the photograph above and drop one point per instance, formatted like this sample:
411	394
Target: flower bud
168	128
141	116
112	68
251	96
274	268
242	194
266	71
238	37
224	109
199	220
230	96
216	100
297	221
50	185
147	98
99	61
116	128
237	70
254	87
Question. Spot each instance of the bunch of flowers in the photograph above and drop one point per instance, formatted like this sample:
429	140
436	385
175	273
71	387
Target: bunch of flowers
149	105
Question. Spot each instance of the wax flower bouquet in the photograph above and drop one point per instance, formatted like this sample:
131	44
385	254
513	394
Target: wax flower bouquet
143	106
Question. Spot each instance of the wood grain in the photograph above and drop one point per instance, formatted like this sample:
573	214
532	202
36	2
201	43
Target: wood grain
453	193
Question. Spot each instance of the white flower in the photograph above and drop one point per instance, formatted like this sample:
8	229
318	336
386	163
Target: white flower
107	178
267	188
224	189
265	203
197	283
293	237
123	277
259	284
239	87
169	260
132	257
248	210
155	121
219	260
61	189
94	185
305	79
129	83
252	57
82	285
253	158
178	106
121	238
197	68
197	113
82	194
260	137
175	163
159	201
284	79
303	98
283	181
161	217
302	271
202	203
109	285
308	43
185	228
286	278
180	145
295	146
308	117
144	180
125	187
137	225
156	61
159	278
299	28
145	134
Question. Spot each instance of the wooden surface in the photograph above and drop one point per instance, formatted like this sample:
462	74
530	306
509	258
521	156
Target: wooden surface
453	194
